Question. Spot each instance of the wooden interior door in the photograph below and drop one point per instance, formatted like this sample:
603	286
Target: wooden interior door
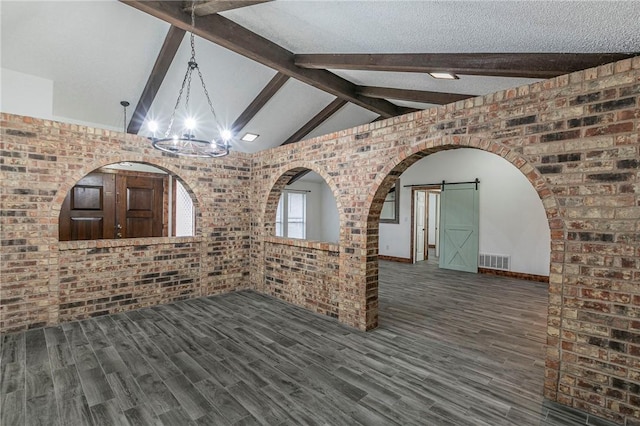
139	206
88	211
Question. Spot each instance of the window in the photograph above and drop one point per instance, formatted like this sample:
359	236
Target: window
184	215
291	216
391	207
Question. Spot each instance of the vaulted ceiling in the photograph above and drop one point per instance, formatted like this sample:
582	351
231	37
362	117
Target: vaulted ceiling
289	70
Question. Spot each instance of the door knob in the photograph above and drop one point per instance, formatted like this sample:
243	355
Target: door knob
119	235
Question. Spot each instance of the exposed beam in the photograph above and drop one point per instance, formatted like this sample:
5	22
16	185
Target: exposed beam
297	176
263	97
238	39
214	6
529	65
163	61
327	112
437	98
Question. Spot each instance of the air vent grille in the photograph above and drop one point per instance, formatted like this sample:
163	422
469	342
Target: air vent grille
495	261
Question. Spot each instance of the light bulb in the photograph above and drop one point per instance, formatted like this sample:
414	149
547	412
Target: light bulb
226	134
153	126
190	123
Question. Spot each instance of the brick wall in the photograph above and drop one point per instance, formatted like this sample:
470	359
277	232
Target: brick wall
44	281
101	277
302	272
575	138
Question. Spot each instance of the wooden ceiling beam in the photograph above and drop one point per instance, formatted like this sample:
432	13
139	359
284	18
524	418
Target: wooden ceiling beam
437	98
163	62
256	105
210	7
298	176
527	65
238	39
320	118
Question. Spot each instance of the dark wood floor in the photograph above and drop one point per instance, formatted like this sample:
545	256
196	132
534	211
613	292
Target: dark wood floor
452	349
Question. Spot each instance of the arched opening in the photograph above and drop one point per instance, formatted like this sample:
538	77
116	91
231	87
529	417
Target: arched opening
305	208
127	200
513	232
301	253
487	331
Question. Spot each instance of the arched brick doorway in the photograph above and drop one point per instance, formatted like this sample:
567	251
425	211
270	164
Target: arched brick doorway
387	179
301	270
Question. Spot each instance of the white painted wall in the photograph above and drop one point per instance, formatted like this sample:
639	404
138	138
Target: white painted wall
29	95
330	217
323	223
512	219
25	94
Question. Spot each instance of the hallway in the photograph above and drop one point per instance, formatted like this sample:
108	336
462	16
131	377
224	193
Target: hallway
452	349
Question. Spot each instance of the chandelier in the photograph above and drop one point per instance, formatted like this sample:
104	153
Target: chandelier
184	141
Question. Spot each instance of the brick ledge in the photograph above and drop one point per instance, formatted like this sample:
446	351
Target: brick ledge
318	245
125	242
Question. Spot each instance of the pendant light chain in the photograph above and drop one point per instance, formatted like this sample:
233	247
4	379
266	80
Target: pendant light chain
195	64
188	144
187	78
124	104
175	108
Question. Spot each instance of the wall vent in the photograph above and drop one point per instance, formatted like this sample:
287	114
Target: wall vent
494	261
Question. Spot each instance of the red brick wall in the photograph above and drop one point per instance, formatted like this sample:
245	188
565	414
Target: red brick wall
45	281
302	272
575	138
102	277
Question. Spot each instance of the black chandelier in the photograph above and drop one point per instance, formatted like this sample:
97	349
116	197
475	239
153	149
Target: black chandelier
184	142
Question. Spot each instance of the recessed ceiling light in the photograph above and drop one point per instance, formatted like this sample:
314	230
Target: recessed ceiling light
444	75
249	137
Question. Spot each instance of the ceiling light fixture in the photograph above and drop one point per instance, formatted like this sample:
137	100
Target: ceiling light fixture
444	75
184	142
249	137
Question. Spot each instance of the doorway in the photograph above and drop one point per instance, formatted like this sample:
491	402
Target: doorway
105	205
425	223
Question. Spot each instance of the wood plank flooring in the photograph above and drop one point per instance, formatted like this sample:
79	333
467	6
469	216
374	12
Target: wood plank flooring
452	349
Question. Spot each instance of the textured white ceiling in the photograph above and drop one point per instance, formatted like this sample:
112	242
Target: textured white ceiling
467	84
445	26
293	105
99	52
343	119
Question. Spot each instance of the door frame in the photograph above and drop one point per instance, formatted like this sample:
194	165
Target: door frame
427	188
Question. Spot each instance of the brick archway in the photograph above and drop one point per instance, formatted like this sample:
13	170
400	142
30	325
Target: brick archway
279	180
281	270
387	178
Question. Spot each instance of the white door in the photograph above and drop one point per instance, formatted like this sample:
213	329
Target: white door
420	225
